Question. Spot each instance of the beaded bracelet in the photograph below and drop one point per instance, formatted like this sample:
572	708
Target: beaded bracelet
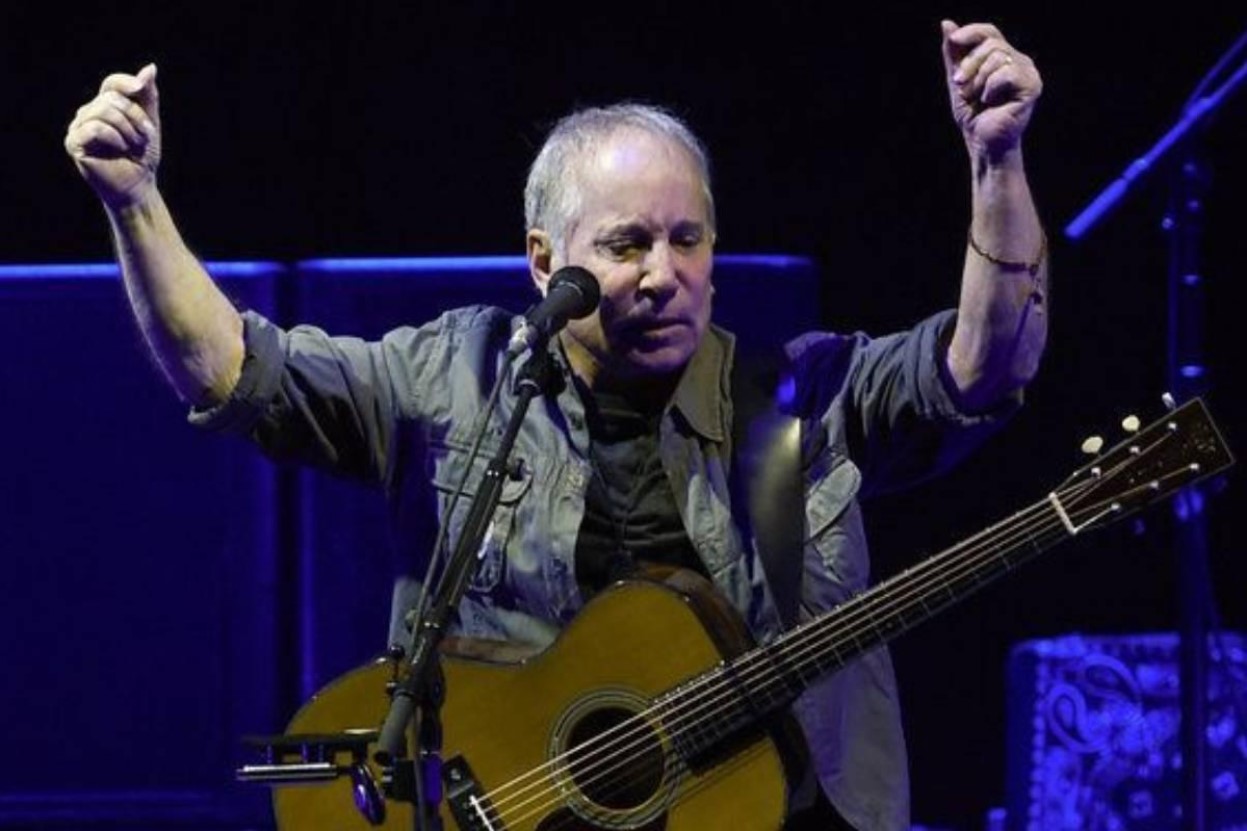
1013	265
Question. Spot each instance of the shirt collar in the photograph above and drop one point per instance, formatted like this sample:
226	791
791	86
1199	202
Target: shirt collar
701	394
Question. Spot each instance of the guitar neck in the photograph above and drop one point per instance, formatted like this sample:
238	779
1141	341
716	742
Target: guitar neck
765	680
872	618
1172	453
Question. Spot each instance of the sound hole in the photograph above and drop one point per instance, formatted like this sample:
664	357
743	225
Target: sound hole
618	772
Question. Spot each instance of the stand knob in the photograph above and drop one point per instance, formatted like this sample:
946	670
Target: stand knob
368	799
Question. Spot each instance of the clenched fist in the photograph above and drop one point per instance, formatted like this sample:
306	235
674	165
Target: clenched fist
114	138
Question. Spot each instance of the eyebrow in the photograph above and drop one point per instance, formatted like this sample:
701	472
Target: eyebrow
634	226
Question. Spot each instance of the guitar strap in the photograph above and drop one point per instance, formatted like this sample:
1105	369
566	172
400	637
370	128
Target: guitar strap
766	479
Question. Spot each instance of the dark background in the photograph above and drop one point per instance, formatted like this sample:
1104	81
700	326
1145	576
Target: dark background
406	129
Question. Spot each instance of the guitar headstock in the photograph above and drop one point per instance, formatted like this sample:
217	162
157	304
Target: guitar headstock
1179	449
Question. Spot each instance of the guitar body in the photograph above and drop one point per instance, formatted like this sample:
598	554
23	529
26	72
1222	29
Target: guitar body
508	719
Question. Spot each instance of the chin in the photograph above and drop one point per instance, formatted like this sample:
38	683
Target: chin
663	361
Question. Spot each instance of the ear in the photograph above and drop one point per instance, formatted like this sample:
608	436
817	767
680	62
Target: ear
540	258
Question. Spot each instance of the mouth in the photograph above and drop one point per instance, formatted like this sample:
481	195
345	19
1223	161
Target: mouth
645	323
654	329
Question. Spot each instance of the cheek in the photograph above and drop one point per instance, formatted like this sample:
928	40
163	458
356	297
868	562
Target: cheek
589	330
617	293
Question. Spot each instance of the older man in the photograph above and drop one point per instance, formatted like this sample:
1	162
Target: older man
629	462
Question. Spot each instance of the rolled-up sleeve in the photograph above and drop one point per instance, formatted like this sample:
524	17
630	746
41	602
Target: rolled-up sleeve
257	385
338	403
890	402
330	402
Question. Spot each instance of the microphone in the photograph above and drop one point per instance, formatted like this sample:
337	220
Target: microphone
573	293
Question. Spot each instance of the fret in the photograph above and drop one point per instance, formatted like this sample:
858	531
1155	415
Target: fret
873	618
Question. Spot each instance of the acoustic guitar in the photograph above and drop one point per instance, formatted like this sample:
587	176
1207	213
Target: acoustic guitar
653	710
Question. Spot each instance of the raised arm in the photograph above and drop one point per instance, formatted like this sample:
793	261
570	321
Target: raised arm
193	330
1002	321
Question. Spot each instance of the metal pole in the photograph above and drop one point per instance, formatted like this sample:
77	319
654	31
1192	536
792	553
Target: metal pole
1188	378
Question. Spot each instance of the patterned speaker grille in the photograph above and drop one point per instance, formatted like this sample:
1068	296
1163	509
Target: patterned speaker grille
1094	730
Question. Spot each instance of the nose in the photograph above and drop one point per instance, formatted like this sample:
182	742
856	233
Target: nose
660	272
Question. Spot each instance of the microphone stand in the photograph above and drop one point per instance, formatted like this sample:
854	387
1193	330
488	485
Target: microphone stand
1187	378
418	780
1194	116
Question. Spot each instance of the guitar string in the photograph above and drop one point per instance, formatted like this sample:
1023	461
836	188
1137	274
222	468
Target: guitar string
1048	542
800	639
1142	488
676	728
675	797
722	689
714	678
928	610
669	717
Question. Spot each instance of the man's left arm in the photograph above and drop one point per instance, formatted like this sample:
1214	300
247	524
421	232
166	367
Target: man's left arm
1002	320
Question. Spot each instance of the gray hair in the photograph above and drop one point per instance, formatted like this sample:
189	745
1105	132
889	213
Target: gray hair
552	193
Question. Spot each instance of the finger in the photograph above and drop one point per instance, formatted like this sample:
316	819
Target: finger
971	62
121	82
122	114
148	95
947	50
96	139
995	64
128	117
140	88
961	42
1000	87
964	38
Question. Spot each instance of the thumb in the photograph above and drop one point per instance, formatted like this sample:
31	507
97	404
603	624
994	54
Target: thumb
147	94
948	48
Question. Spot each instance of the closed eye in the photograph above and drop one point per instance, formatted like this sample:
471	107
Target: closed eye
625	247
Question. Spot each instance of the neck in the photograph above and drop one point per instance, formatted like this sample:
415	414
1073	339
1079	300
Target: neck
649	392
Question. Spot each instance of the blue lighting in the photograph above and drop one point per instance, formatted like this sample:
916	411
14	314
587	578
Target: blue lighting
246	268
786	393
110	271
370	265
59	271
502	263
1192	371
772	260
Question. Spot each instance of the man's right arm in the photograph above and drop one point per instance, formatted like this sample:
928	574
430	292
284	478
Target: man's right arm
193	330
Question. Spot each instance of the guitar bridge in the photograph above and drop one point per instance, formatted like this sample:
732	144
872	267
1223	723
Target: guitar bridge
467	803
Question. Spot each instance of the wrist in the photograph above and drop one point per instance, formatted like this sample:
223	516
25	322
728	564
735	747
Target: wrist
133	203
1031	265
990	165
136	208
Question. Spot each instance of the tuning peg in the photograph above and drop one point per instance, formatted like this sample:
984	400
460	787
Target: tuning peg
1131	424
1092	445
1169	402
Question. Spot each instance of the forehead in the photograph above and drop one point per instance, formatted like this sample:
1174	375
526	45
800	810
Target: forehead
638	172
625	147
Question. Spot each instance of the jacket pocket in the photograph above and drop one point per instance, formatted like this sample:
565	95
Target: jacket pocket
830	496
447	464
836	559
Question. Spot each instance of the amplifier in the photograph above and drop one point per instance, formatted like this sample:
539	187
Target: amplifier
1093	734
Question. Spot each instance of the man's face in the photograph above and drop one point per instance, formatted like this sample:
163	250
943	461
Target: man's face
643	229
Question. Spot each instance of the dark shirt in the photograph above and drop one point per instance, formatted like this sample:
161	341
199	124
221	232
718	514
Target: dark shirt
631	518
